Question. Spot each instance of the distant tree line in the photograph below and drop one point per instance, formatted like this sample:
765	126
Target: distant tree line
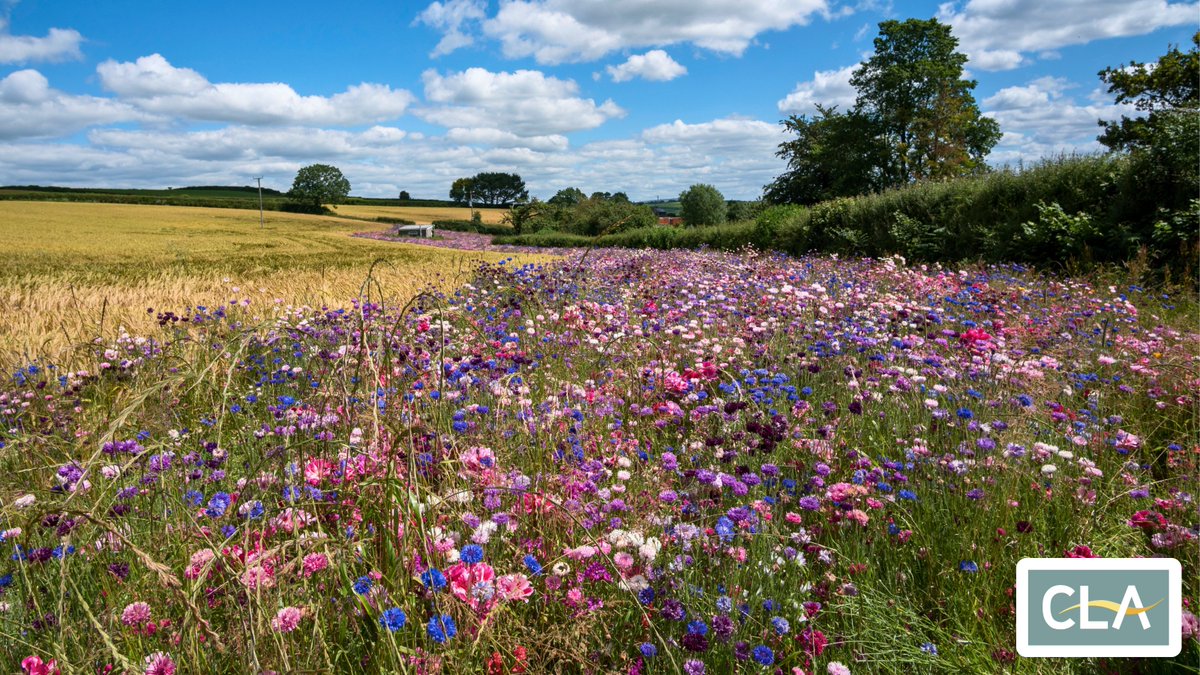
489	188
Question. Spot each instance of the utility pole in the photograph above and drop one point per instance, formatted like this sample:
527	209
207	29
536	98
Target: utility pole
260	206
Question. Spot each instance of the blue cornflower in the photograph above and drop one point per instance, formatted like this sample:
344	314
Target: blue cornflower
363	585
393	619
724	529
6	581
532	564
781	625
646	596
697	627
433	578
965	413
441	628
648	650
193	498
968	566
763	655
724	604
929	648
908	495
471	554
218	504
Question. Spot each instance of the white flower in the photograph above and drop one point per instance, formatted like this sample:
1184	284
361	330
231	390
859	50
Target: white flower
25	501
1049	469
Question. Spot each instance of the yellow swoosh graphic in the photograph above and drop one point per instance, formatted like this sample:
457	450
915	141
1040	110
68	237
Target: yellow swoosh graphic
1114	607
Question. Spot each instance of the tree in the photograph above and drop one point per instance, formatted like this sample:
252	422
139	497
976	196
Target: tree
738	211
914	119
567	197
1170	87
913	89
702	204
522	215
404	196
319	184
833	155
1162	144
489	189
462	191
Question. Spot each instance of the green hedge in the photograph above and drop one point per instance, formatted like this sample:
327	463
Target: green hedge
1101	208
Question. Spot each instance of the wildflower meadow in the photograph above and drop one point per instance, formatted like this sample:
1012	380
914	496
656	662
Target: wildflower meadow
618	462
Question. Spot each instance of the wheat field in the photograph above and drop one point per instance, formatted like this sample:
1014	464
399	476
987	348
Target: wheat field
73	271
420	214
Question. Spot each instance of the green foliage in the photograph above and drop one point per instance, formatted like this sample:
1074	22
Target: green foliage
521	216
833	155
702	204
567	197
738	211
1095	208
912	87
1169	87
462	191
319	184
593	217
780	222
915	119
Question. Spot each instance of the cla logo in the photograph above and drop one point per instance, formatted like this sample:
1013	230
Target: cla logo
1131	605
1057	615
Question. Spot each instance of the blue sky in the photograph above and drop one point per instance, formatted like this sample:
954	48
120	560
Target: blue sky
644	96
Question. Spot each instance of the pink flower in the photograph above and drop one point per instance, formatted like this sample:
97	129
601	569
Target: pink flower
287	619
313	563
623	560
259	576
838	668
135	614
159	663
465	578
199	560
292	520
33	665
478	459
1190	626
513	587
317	470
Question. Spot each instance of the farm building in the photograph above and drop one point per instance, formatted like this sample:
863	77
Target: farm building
419	231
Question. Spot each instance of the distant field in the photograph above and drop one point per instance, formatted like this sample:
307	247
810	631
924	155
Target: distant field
72	271
420	214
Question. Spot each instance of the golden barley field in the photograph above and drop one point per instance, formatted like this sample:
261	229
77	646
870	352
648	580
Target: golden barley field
419	214
72	272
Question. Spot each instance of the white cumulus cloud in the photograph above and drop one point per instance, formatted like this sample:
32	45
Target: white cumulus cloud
453	17
154	85
59	44
558	31
1039	119
827	88
1001	34
526	103
31	108
655	65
